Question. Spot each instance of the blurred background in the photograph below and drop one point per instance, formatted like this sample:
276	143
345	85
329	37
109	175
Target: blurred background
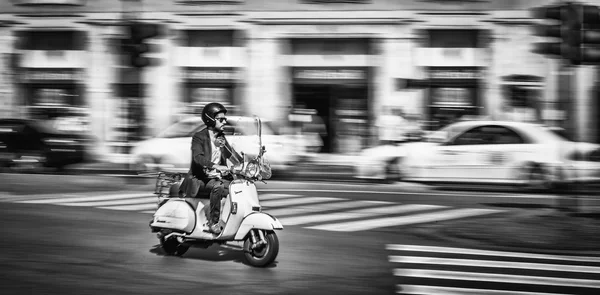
494	102
334	75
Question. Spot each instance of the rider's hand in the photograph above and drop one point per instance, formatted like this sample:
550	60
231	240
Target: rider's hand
221	168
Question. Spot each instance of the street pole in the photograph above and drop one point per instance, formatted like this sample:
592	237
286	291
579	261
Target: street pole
132	90
568	200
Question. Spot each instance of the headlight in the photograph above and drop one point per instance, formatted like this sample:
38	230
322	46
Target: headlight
59	141
252	169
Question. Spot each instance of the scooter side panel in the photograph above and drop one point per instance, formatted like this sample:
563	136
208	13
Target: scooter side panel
175	214
257	220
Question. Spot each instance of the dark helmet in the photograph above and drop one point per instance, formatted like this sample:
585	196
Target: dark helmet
210	111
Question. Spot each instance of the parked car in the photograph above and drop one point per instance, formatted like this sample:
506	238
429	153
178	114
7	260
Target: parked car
485	152
171	148
34	144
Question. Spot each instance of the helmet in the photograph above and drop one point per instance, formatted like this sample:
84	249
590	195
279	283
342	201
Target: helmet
210	111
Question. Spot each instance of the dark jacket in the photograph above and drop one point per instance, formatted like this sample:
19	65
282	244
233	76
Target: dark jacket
201	158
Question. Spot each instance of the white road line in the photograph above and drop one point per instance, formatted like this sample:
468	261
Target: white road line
143	200
276	196
297	201
398	209
324	207
499	278
131	207
85	199
404	220
434	249
149	211
427	193
435	290
494	264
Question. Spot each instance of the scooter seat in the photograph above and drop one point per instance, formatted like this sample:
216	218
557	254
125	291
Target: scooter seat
196	201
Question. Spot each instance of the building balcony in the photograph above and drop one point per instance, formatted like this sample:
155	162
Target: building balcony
223	57
451	57
327	60
53	59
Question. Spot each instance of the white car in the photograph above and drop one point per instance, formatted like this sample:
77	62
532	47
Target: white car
485	152
171	148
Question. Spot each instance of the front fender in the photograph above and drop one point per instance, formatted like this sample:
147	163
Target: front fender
258	220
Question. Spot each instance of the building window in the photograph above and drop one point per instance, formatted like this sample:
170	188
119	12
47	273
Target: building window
208	38
52	40
455	39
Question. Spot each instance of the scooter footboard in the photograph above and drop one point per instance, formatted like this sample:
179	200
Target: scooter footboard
257	220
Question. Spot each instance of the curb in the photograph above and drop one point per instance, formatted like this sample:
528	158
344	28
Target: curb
471	243
439	233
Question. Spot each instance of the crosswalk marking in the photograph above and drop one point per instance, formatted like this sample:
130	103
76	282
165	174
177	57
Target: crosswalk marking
324	207
131	207
322	213
419	289
493	264
498	278
356	214
308	200
143	200
403	220
452	250
265	197
453	271
85	198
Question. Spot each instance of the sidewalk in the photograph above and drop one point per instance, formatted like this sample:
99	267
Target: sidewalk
537	230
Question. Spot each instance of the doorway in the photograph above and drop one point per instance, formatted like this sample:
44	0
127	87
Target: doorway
342	109
318	98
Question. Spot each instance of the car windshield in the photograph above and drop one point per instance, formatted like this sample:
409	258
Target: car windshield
181	129
561	132
546	134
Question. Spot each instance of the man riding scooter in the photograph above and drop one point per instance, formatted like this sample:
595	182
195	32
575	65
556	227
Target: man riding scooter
210	151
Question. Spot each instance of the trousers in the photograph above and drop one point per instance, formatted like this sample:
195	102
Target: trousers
219	188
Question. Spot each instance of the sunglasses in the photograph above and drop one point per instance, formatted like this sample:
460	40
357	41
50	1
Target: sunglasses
222	119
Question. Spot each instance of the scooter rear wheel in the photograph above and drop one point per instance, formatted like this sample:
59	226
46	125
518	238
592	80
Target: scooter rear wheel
263	255
172	247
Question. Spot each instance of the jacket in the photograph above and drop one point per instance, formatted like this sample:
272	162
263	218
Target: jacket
201	159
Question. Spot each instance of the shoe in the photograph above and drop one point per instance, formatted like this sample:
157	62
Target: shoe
215	229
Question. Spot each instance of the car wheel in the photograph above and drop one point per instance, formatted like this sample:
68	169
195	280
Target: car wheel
392	171
537	178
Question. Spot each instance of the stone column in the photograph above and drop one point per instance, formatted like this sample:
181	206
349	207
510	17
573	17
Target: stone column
584	104
162	87
264	75
100	77
8	104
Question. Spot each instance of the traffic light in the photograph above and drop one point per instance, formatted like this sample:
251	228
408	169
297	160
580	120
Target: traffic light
136	45
556	30
572	29
590	35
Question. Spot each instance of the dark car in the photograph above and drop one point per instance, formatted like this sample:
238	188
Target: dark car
36	144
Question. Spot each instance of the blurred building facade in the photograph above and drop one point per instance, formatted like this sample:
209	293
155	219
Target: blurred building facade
339	58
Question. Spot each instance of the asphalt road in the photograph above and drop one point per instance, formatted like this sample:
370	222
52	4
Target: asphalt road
80	235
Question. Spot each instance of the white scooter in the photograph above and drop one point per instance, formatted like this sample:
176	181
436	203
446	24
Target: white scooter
181	221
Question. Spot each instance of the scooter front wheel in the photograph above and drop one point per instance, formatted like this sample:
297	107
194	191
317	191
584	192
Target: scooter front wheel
261	254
